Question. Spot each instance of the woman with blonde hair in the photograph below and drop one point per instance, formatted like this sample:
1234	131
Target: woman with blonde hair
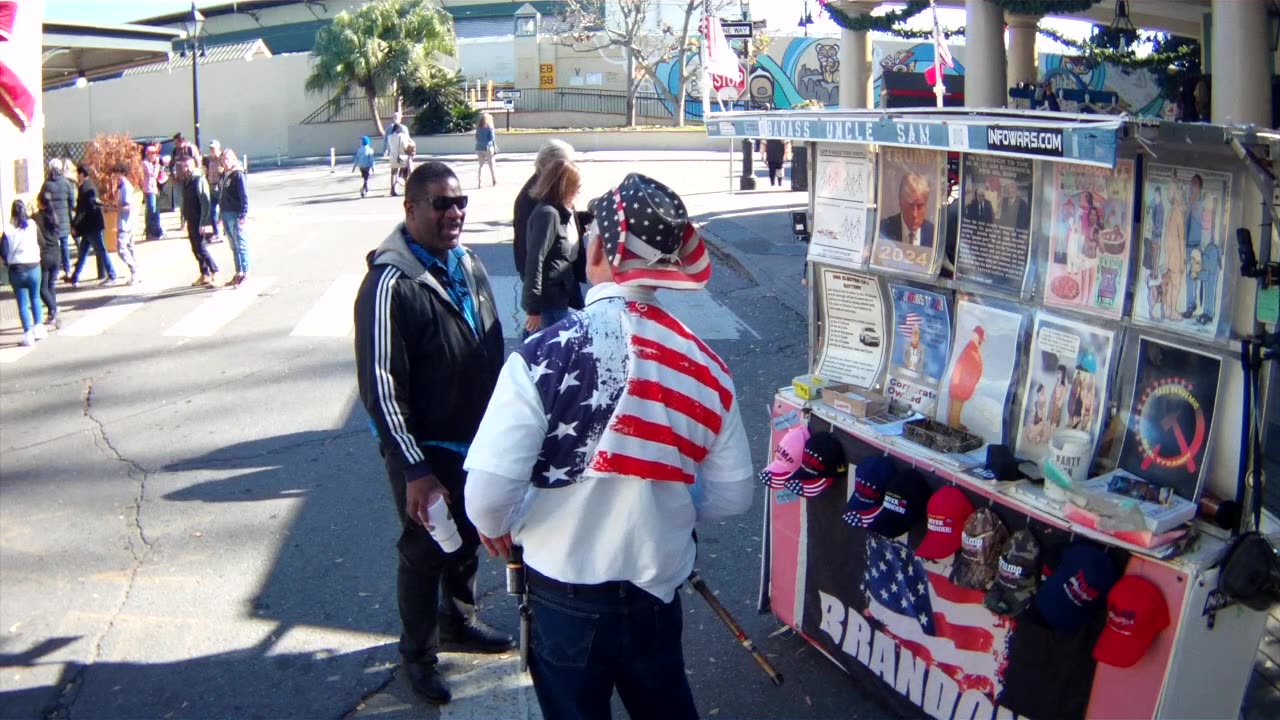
550	284
486	148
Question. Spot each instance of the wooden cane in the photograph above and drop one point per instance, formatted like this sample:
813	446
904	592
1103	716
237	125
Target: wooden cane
774	676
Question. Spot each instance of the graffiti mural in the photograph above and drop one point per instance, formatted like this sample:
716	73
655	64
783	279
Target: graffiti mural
1139	93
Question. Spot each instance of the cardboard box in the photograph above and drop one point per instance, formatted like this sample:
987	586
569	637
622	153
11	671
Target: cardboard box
853	400
808	386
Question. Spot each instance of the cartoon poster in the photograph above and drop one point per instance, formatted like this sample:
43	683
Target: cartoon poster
921	345
979	377
994	238
1171	419
911	193
1065	397
851	348
1183	249
1089	234
842	201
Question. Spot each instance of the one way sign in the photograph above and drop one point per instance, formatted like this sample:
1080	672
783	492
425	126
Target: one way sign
735	30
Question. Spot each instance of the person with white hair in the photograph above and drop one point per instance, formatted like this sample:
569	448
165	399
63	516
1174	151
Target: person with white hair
235	205
551	152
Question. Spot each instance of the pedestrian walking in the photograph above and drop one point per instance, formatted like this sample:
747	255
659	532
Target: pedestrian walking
428	349
776	153
588	457
235	208
89	224
396	127
213	175
401	157
486	149
550	152
153	177
364	161
50	255
124	221
58	199
550	285
22	257
195	215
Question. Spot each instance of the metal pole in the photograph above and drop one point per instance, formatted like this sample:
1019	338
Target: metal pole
195	88
702	62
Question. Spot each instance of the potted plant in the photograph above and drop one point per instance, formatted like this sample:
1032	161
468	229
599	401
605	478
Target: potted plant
104	153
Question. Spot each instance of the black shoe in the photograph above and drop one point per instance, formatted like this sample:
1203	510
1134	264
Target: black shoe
427	682
1188	313
474	636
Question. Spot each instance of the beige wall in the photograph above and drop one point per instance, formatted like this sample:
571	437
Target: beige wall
251	107
21	54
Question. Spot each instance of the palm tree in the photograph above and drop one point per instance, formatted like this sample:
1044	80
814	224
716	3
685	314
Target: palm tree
379	48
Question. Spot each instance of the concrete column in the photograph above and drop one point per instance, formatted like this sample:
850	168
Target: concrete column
1242	62
984	76
855	70
1022	49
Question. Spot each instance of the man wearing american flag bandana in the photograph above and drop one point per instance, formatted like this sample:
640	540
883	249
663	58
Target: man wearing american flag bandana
608	436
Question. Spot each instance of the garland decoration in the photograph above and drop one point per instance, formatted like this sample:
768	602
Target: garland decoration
1045	7
1158	62
868	22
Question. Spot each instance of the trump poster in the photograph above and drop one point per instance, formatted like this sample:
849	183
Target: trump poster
976	390
1089	230
912	187
921	344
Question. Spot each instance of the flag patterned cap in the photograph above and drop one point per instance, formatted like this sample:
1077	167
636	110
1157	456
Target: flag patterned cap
786	457
1017	573
981	543
1136	613
648	236
869	483
947	511
823	460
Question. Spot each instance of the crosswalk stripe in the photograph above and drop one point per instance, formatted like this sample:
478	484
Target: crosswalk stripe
697	309
221	308
332	315
101	318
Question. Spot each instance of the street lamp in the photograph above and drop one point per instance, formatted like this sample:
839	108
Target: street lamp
806	19
195	24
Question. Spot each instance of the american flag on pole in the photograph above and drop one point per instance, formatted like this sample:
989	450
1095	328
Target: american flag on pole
938	621
722	64
909	323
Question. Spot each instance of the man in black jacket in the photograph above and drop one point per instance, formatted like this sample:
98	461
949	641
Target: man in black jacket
89	225
57	198
196	215
428	351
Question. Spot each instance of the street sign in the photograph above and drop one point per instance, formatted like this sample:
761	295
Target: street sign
508	94
736	29
509	104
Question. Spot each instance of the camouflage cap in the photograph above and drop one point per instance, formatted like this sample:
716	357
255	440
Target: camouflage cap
981	543
1017	575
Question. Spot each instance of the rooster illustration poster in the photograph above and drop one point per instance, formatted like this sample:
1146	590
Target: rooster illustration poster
975	392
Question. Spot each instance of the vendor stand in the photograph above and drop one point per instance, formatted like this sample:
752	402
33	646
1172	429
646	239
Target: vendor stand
995	296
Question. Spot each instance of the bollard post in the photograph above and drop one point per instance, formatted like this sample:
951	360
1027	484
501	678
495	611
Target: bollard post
245	162
748	179
333	161
277	158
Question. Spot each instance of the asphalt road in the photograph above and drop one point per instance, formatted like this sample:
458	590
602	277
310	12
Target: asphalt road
194	521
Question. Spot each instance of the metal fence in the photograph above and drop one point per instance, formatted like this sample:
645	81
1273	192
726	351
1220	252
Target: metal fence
612	102
353	109
73	150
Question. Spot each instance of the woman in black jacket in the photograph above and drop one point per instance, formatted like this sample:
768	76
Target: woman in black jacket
550	283
50	257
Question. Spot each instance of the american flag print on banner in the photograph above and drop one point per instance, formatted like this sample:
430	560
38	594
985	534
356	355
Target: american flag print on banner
629	391
909	323
937	621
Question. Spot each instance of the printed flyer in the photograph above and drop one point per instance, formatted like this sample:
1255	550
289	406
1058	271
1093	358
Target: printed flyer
851	349
842	200
994	239
1171	419
1064	399
921	345
979	377
1183	249
912	189
1089	237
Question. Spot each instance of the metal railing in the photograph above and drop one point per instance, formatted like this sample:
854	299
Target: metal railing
352	109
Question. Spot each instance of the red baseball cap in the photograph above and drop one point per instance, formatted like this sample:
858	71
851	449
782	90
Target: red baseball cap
947	512
1136	613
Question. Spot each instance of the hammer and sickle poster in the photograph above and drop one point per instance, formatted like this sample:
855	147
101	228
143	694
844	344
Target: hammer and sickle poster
1171	417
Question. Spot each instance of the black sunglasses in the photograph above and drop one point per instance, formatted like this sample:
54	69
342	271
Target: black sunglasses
444	202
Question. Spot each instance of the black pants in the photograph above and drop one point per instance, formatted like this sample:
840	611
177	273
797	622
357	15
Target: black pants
200	249
775	173
48	291
364	175
424	567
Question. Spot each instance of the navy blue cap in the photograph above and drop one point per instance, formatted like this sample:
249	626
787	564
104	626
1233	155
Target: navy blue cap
869	481
905	499
1078	587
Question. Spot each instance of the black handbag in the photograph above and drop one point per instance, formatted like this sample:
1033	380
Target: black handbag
1251	572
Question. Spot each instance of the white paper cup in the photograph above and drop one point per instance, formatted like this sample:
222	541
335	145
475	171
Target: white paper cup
1071	452
441	526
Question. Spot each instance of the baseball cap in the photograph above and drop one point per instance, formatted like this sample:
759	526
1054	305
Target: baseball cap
1136	613
1017	572
904	500
823	459
947	511
981	543
786	457
1077	587
869	482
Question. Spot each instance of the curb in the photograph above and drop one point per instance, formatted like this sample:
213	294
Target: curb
741	261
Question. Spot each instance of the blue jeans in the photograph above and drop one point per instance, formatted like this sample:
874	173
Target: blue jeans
233	223
214	199
26	288
93	242
153	217
584	640
64	241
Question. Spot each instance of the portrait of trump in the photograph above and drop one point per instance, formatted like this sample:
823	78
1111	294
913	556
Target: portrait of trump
912	224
